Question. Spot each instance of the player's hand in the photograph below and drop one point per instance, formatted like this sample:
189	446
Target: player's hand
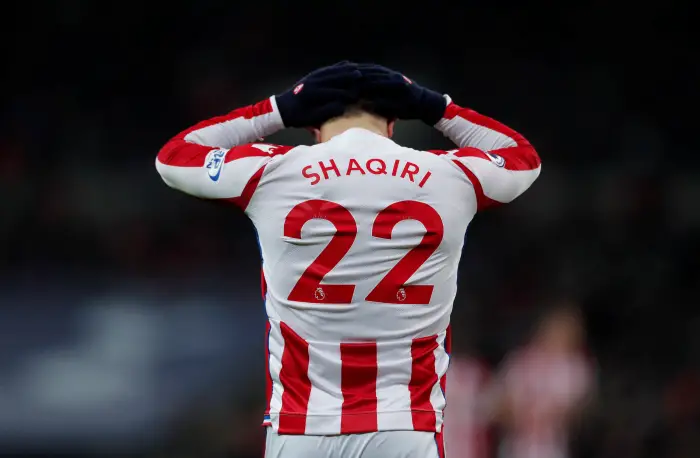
319	96
395	96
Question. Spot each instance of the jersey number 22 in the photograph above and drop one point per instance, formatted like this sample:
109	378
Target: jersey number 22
392	288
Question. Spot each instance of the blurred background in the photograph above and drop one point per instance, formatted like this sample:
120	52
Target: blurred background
131	322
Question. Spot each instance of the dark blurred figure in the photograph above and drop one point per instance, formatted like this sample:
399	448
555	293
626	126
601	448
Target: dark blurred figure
542	387
678	434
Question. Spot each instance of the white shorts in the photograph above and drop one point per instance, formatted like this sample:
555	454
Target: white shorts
382	444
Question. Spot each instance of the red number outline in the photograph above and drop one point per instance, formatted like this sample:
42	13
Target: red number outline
392	288
308	288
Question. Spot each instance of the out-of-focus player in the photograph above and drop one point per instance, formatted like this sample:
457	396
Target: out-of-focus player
467	412
542	388
360	241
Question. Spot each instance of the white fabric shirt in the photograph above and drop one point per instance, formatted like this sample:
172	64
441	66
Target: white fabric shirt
360	240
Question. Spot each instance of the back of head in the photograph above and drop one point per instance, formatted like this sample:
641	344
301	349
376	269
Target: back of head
561	328
359	115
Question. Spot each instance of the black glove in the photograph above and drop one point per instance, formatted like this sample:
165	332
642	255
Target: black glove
319	96
393	95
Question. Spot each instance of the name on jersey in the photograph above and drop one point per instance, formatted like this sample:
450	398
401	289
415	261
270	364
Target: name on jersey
328	169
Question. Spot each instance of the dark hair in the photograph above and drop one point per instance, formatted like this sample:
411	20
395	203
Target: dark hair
363	106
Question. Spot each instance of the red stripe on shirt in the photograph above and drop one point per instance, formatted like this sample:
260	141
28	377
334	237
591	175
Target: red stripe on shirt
482	201
180	153
440	442
359	386
268	376
243	200
259	109
263	284
423	379
519	157
296	386
471	152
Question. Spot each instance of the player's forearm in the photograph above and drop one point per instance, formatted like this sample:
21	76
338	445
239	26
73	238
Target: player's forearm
241	126
209	145
469	129
499	162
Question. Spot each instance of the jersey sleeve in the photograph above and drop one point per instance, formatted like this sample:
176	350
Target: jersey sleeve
215	159
499	162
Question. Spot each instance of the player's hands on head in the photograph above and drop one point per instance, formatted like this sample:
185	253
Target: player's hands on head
395	96
321	95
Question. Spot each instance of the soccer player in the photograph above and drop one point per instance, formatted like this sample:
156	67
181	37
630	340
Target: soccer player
468	411
543	387
360	240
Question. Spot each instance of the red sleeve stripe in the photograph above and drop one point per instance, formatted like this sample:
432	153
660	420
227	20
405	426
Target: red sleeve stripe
521	157
482	201
248	112
243	200
182	154
359	372
295	381
259	109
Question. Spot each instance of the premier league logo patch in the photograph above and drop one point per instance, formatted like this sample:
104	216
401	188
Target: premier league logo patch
496	159
214	163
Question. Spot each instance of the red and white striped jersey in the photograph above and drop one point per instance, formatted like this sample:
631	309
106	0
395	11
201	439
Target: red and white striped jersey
360	241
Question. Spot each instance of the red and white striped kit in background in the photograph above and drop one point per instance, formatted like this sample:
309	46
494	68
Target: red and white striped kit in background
360	240
543	391
467	414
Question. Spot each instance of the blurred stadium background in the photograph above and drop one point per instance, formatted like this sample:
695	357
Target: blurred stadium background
130	316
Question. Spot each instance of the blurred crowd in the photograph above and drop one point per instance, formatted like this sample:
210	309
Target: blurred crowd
131	314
